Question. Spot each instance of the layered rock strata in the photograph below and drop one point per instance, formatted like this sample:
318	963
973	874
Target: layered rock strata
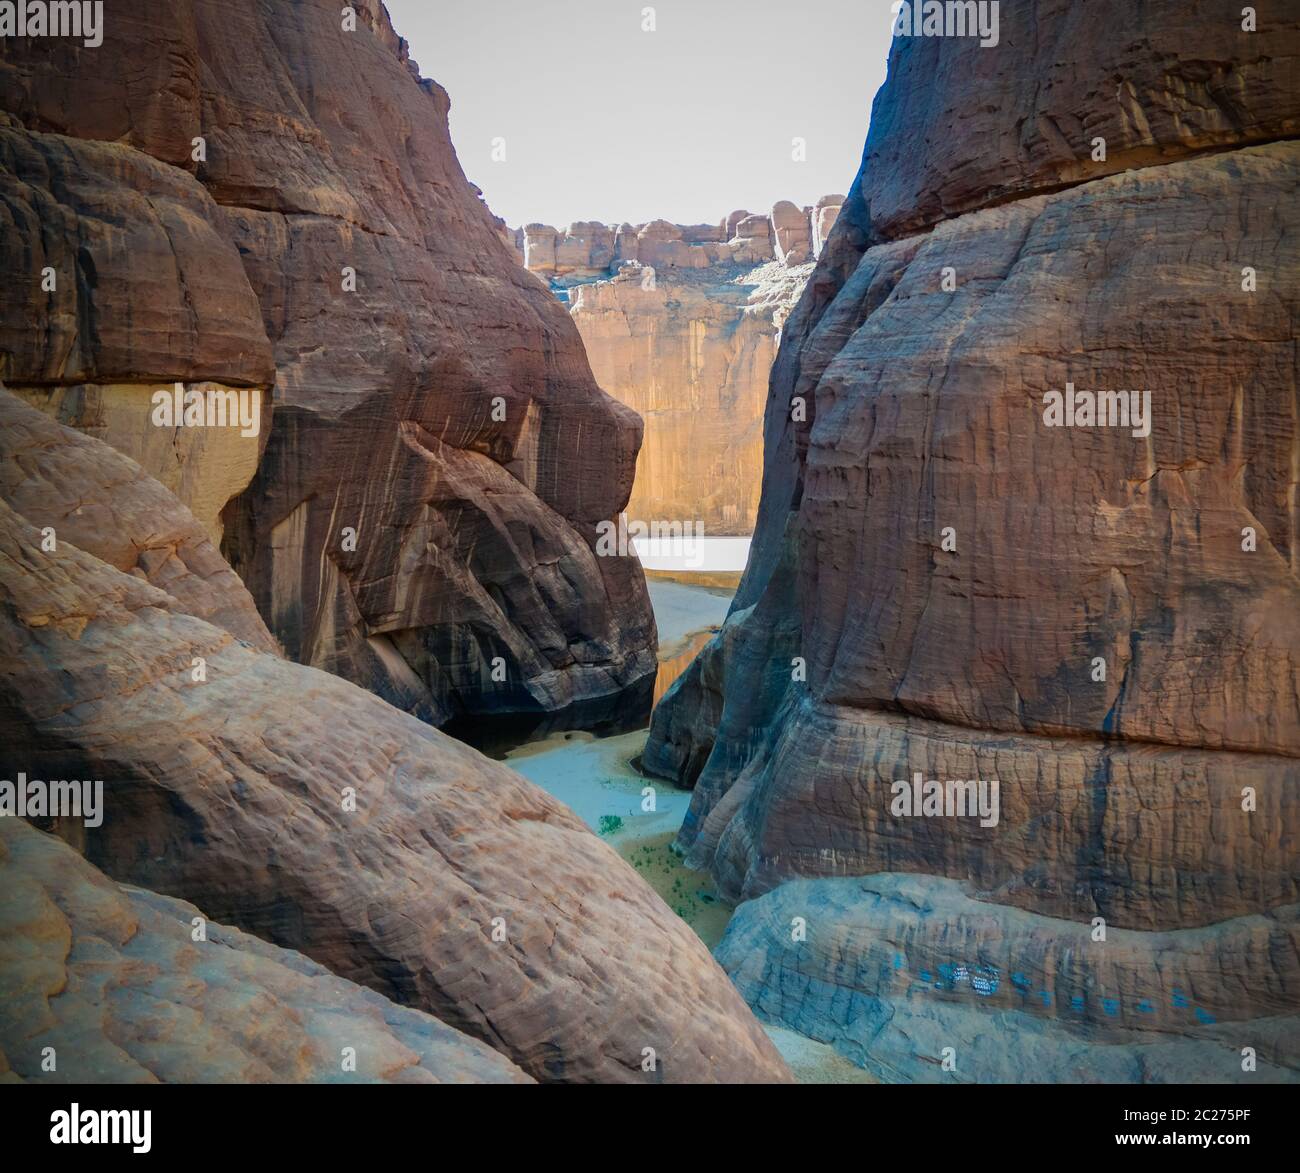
265	199
105	983
302	809
681	324
1103	619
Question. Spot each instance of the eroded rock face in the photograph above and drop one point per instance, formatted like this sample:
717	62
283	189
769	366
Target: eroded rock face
681	324
112	978
422	511
896	968
1105	619
305	810
1155	82
122	285
90	495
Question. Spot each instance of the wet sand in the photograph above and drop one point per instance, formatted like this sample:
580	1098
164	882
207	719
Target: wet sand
594	776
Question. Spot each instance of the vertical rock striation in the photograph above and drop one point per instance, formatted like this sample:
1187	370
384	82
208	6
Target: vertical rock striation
1104	619
304	810
681	324
263	197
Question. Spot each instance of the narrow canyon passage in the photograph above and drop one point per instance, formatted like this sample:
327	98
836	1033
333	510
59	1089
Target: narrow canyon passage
599	779
727	543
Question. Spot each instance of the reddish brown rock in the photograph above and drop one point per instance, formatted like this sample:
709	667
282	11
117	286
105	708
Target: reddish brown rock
959	127
938	577
114	981
304	810
1200	637
431	398
139	88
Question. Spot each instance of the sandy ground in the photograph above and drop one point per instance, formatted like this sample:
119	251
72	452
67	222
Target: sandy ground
594	777
727	580
814	1062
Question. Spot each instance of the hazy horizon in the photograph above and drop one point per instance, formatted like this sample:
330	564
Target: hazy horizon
604	121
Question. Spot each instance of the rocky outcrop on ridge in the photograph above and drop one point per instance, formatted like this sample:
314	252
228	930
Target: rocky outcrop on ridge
104	983
264	198
300	808
681	324
1103	619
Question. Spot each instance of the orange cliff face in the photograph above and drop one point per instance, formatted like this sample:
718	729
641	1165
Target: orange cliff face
681	323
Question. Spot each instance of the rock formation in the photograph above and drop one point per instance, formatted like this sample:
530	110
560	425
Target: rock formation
94	497
114	981
1103	619
261	198
897	967
300	808
681	324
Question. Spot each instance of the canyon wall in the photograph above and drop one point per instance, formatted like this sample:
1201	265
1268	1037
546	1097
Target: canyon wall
258	203
304	810
1105	620
681	324
264	199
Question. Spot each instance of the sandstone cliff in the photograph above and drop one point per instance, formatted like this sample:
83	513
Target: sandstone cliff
113	981
681	324
1107	623
260	197
300	808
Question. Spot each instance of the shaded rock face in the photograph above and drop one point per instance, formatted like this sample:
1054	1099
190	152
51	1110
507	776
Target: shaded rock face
681	324
123	285
113	979
418	513
1103	619
303	809
896	968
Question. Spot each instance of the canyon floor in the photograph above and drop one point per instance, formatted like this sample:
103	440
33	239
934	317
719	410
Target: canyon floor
599	780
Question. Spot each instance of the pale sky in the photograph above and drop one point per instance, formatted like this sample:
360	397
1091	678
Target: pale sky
603	121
